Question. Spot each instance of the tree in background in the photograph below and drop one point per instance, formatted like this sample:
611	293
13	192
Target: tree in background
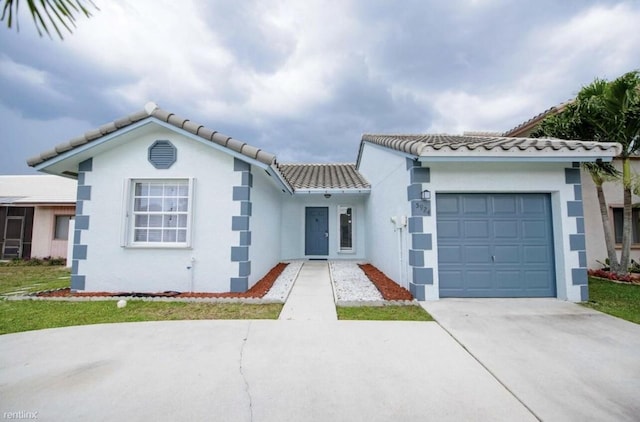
605	111
48	13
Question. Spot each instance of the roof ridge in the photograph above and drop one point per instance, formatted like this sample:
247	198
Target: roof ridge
151	109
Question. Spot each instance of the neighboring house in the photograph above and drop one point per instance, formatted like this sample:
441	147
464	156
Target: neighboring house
167	204
596	247
35	212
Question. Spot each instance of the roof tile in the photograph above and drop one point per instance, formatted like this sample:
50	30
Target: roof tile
423	144
324	176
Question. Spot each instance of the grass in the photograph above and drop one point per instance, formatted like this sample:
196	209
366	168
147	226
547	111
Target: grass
621	300
27	315
384	313
28	279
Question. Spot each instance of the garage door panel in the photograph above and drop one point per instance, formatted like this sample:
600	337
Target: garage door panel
478	229
478	279
505	247
449	229
534	229
536	279
509	280
504	205
475	205
449	205
477	254
450	254
505	229
535	254
507	255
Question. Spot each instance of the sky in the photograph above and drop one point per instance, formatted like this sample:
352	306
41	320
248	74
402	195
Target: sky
305	79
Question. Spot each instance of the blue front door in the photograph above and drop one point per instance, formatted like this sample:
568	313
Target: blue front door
316	231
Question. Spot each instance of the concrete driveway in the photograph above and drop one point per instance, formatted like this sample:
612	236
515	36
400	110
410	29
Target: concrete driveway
563	361
249	371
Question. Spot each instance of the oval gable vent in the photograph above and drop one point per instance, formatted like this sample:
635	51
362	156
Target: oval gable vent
162	154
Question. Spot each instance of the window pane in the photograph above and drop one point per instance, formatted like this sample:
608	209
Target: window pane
169	236
182	235
141	204
142	221
183	190
142	189
617	224
155	204
155	221
183	204
155	189
170	190
140	236
170	204
170	220
346	229
155	236
182	220
62	227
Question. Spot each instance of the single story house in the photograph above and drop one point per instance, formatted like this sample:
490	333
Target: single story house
596	247
35	213
164	203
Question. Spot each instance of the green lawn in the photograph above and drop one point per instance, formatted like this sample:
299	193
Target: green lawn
384	313
16	279
27	315
621	300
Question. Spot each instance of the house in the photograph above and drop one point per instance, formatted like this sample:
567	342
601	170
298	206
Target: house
35	212
596	247
166	204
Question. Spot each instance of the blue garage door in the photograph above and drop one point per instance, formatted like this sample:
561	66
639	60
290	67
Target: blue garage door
495	245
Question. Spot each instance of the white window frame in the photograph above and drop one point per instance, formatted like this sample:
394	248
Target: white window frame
128	238
340	210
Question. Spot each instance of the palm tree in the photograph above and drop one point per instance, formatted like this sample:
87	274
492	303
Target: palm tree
606	111
48	12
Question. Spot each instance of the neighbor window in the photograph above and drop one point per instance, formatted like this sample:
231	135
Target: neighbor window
635	224
61	231
160	211
345	215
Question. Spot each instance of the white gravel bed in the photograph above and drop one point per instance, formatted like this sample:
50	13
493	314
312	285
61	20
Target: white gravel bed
351	284
282	286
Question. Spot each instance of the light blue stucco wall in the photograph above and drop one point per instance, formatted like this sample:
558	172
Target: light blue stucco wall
387	244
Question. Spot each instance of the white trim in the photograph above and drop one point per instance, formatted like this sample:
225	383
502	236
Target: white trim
128	232
352	249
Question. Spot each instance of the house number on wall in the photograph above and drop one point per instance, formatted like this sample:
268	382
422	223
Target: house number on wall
422	208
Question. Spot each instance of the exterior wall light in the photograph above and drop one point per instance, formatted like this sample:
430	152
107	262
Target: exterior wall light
426	195
327	195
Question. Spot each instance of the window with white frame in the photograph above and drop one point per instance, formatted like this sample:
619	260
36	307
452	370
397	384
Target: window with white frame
345	219
160	211
61	231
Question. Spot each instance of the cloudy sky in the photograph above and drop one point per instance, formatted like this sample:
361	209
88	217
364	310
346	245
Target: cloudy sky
305	79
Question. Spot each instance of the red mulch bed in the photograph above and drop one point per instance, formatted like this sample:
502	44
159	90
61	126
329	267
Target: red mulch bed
389	289
257	291
632	278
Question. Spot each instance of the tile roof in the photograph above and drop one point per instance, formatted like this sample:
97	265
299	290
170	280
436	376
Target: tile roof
152	110
423	144
532	122
323	176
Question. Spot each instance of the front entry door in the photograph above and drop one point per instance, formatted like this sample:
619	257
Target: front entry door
12	238
316	231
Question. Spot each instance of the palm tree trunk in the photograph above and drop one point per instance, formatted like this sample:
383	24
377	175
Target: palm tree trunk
626	217
609	239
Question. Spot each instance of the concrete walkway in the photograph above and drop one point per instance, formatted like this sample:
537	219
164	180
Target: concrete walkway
311	298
